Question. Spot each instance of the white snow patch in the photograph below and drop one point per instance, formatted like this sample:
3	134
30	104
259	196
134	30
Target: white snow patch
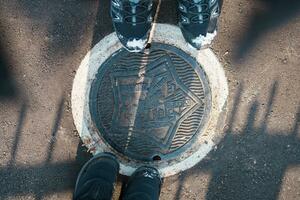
205	40
136	44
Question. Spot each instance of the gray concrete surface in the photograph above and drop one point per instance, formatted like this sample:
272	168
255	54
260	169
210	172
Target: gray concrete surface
41	45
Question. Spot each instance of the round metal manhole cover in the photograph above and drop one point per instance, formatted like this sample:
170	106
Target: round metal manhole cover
151	105
164	108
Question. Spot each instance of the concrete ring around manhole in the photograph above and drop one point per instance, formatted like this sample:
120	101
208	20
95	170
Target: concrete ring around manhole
165	107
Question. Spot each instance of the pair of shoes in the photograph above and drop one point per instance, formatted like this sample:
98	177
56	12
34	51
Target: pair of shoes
97	178
132	21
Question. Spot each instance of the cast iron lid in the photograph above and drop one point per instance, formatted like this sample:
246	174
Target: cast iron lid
150	105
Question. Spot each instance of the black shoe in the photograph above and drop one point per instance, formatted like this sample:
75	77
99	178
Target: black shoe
96	178
198	21
132	21
144	184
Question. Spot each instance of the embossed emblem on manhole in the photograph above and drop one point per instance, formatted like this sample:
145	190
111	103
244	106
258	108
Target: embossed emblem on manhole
150	105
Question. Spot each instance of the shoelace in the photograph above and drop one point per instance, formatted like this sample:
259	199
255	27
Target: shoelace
134	17
199	11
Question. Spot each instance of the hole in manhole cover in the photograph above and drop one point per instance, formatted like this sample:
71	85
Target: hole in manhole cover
156	158
150	106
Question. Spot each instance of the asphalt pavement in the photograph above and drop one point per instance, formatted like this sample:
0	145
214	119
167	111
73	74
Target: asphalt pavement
41	46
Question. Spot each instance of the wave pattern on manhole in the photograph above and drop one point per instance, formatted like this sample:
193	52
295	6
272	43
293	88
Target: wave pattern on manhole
150	105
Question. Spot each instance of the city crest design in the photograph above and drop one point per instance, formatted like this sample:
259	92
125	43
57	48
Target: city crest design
150	102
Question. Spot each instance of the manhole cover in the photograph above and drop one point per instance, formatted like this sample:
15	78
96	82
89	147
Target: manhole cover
164	108
152	105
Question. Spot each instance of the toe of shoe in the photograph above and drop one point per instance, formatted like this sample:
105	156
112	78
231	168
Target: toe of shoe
199	41
133	44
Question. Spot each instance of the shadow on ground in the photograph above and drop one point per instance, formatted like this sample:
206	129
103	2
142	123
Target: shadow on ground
251	163
41	179
7	83
274	13
247	164
67	21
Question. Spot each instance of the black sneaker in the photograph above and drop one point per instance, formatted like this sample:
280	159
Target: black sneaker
144	184
132	21
96	178
198	21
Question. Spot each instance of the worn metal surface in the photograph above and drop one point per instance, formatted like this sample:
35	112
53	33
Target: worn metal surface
151	105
